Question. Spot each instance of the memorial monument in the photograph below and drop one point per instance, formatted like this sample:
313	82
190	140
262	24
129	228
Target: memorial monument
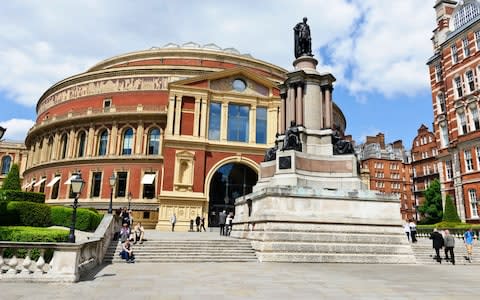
309	204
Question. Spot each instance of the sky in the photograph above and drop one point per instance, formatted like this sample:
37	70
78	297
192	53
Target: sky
376	49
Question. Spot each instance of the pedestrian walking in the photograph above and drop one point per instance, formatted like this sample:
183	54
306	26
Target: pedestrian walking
413	231
173	220
202	224
468	238
437	243
222	218
449	245
406	228
197	222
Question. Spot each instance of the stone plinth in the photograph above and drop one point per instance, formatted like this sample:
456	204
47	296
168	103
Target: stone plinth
301	224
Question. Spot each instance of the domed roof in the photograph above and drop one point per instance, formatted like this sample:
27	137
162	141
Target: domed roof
465	11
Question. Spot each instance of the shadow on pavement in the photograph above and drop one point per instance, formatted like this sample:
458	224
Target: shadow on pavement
92	274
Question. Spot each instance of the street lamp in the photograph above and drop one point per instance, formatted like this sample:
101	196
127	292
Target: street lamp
77	185
129	199
2	132
112	182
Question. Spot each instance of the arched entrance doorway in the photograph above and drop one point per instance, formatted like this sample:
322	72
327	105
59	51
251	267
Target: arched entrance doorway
229	182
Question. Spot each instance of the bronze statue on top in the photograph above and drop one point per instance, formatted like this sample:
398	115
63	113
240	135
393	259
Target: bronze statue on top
291	141
341	146
303	40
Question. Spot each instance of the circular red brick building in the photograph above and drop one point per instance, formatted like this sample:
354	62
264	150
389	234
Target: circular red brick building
180	129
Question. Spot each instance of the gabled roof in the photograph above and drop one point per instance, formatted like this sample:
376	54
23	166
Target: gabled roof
240	71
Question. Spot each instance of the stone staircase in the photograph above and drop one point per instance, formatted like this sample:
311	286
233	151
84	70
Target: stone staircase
167	251
424	253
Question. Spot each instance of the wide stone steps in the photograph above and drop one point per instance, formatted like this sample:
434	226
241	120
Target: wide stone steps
159	251
424	253
329	237
334	258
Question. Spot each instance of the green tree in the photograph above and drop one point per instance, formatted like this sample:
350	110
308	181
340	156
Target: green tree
12	181
450	214
431	209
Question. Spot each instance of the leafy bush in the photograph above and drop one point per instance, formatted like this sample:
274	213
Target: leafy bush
87	220
32	234
12	195
29	213
450	214
12	181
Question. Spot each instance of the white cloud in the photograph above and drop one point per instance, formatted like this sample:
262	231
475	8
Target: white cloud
372	45
16	129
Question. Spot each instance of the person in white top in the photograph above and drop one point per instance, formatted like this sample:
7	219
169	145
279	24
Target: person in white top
173	220
406	228
413	231
228	225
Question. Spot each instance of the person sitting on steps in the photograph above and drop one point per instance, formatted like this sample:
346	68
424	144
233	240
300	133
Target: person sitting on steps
138	233
127	252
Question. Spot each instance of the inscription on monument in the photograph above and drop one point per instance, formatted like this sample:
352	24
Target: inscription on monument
285	162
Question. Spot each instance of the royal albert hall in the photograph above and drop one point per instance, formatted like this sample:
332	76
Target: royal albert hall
177	129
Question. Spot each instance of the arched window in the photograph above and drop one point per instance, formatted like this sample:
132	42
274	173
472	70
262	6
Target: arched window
154	141
127	142
464	13
6	161
81	144
64	145
102	143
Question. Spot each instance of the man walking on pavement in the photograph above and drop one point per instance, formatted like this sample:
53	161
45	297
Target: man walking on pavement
222	218
449	245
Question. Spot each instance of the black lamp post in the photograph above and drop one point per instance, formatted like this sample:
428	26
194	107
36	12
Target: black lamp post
129	199
112	180
77	185
2	132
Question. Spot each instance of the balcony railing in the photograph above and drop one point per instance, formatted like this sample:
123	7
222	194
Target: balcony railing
92	112
54	262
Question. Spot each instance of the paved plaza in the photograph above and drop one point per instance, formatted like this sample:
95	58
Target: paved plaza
259	281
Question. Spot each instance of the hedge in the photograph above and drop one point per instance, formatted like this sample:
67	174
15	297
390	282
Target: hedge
87	220
11	195
30	214
31	234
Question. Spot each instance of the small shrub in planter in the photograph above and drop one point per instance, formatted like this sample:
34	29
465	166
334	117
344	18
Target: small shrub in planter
87	220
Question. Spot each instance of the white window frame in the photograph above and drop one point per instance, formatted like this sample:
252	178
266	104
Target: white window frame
477	152
468	160
448	170
477	39
466	50
462	123
475	117
454	53
438	72
472	194
470	77
457	86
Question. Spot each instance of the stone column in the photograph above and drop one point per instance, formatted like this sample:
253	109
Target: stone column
458	185
43	150
272	126
224	122
178	114
196	116
30	156
113	139
56	146
71	144
312	117
290	106
328	107
281	117
37	153
170	114
90	140
139	138
299	105
203	120
252	124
